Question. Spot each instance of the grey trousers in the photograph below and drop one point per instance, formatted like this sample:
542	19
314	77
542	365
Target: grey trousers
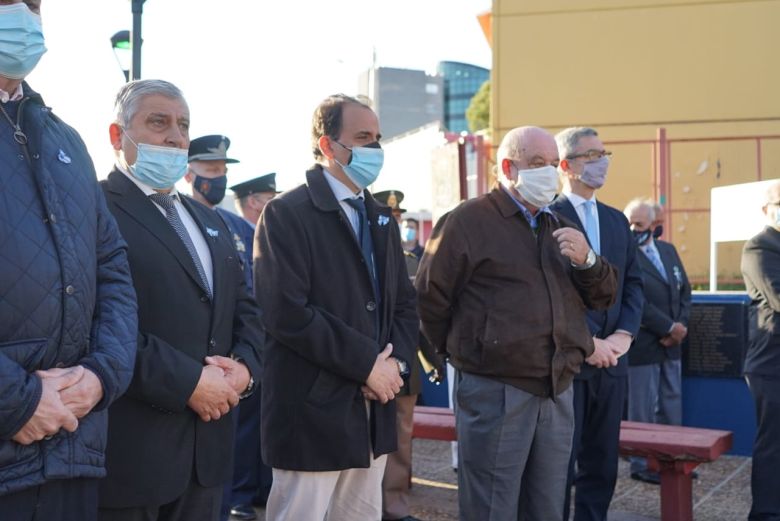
513	451
655	396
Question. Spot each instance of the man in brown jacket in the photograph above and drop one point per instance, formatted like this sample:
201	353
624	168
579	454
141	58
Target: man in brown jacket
503	288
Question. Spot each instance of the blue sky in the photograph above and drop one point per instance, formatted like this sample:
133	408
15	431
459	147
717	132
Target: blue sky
252	70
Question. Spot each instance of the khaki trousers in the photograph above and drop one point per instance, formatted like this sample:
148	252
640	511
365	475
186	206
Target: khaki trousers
398	472
343	495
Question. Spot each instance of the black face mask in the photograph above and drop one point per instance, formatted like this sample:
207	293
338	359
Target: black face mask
213	190
659	230
641	237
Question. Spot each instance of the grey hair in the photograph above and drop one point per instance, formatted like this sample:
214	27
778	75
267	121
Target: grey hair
636	204
129	96
568	139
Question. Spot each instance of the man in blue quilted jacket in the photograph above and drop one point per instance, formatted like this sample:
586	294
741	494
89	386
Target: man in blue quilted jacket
68	317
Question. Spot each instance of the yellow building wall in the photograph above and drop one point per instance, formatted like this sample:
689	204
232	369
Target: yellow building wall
699	69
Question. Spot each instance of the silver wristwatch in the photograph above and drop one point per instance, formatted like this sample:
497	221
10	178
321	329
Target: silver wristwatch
590	261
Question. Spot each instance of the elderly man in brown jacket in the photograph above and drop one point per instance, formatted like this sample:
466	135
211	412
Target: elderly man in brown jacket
503	288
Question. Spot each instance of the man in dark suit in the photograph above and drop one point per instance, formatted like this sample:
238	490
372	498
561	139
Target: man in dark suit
601	387
655	368
341	324
170	438
761	271
251	477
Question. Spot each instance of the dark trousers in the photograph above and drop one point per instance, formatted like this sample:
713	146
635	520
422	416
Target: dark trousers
599	402
58	500
766	449
197	503
251	477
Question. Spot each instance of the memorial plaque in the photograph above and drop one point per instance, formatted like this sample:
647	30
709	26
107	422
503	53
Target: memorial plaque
717	339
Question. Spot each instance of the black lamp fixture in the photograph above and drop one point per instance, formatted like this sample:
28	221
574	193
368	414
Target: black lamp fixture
120	43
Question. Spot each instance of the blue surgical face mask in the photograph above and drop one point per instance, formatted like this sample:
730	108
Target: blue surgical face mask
364	165
158	167
408	234
21	41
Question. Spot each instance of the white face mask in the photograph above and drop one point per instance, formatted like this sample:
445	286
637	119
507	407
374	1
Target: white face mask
538	186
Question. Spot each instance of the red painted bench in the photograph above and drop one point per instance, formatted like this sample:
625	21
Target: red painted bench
671	450
674	452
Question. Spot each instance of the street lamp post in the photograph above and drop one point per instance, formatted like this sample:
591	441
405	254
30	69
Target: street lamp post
120	43
138	10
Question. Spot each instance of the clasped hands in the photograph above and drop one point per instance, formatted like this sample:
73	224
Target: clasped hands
608	350
384	381
67	394
676	335
221	382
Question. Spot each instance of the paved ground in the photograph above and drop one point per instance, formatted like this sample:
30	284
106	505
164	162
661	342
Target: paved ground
722	492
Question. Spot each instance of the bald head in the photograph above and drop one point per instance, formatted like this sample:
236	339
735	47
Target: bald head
528	147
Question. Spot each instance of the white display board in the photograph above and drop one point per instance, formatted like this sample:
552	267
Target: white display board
735	215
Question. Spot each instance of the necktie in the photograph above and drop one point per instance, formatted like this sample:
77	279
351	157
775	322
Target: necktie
591	227
166	202
364	237
652	254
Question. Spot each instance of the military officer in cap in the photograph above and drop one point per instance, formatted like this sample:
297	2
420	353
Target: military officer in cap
409	227
207	169
251	477
398	471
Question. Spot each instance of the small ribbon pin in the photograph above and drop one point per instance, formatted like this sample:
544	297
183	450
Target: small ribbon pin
382	220
63	157
212	233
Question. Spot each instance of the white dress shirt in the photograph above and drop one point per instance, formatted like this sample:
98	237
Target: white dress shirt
343	193
201	247
17	94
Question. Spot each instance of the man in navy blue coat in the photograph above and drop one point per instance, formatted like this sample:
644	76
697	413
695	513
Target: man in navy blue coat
601	387
67	307
251	477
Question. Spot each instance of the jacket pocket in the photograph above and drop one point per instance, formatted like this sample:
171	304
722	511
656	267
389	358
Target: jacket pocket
18	461
329	388
27	353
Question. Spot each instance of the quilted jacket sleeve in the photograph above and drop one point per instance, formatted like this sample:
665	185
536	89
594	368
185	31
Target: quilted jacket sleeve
115	321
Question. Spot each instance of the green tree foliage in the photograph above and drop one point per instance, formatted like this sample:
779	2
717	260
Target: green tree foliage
478	112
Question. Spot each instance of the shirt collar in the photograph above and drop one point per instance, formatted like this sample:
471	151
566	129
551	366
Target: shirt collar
525	211
577	200
145	188
339	189
16	95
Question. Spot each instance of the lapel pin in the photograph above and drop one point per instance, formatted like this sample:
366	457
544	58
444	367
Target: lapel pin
382	220
63	157
212	233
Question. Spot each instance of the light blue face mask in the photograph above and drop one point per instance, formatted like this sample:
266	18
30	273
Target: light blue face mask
21	41
158	167
408	234
364	165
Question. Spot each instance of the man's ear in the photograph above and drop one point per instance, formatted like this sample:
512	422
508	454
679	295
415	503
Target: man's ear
189	176
115	135
325	146
506	168
564	165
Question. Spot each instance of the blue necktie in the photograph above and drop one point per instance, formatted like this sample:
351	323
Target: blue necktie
591	227
652	254
364	238
166	202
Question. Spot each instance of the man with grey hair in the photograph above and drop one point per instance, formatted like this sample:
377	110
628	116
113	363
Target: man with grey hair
655	368
600	388
503	286
170	437
761	271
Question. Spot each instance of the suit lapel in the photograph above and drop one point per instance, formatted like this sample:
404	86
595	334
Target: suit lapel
650	268
136	205
381	219
605	239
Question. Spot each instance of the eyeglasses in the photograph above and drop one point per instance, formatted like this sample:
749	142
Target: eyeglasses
592	155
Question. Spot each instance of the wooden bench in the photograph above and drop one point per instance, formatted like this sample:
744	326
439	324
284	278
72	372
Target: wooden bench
673	451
